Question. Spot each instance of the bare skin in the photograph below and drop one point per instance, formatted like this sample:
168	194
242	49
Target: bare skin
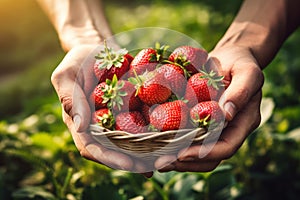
250	43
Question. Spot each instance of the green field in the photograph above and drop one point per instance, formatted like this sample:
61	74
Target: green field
38	159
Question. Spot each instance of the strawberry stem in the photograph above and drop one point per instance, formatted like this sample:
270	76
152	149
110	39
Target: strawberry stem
107	51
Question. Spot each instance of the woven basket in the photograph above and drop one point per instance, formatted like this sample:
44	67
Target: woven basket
151	145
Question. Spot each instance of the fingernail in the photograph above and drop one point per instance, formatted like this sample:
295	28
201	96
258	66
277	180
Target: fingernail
230	110
77	121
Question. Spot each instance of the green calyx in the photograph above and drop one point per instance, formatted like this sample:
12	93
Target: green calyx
138	80
106	120
204	123
213	79
160	52
108	57
113	93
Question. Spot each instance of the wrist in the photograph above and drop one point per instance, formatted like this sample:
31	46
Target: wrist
261	41
258	28
71	37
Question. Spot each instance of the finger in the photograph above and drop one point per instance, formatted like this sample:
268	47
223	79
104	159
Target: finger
165	162
231	138
246	80
74	103
147	174
195	166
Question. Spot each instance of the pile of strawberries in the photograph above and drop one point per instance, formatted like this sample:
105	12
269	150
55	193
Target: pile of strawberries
156	90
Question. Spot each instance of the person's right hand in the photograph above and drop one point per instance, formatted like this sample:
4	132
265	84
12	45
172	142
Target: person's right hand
73	81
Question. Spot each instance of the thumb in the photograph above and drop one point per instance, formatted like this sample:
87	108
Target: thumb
80	112
245	83
73	100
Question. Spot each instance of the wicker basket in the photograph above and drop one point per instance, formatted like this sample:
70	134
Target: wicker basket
151	145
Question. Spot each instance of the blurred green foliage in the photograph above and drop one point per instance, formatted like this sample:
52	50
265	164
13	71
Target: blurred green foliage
38	159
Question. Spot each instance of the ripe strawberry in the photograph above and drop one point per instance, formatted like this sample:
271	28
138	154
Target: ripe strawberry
96	97
174	74
152	88
189	57
206	113
129	101
115	94
104	118
110	62
146	60
129	57
132	122
169	116
145	110
203	87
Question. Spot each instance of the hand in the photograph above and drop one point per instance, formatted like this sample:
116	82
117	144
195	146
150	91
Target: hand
73	80
241	105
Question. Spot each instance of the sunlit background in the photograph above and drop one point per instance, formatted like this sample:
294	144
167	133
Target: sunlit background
38	158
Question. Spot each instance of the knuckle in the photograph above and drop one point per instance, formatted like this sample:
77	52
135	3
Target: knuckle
242	95
255	72
56	76
67	103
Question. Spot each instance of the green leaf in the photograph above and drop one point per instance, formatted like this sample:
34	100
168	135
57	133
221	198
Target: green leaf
104	191
267	107
294	134
31	192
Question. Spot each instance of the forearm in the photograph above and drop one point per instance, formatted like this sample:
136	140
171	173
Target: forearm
77	21
262	26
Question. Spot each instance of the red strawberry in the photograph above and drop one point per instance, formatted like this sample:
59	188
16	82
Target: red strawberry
206	113
110	62
132	122
203	87
115	94
174	74
152	88
96	97
104	118
128	101
146	60
170	116
189	57
145	110
129	57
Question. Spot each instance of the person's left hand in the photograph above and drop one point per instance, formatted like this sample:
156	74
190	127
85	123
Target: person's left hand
241	105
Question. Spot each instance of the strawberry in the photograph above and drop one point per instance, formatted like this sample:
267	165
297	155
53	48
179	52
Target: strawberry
203	86
146	110
147	59
152	88
110	62
104	118
189	57
129	57
96	97
118	95
174	74
129	101
206	113
132	122
169	116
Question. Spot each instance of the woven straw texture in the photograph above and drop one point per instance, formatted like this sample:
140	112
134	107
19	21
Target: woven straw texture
151	145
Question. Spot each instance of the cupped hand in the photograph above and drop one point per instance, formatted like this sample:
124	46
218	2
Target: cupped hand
73	81
241	105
